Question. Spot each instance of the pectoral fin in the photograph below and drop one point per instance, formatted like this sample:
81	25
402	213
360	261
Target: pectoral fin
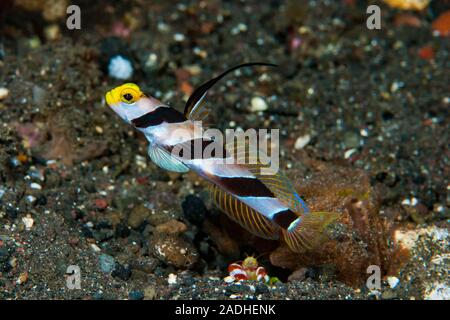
165	160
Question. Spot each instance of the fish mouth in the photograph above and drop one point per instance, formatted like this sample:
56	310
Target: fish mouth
109	99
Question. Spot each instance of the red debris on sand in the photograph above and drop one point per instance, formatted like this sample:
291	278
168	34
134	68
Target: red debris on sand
426	52
442	24
119	29
207	27
182	75
100	203
186	88
142	180
405	19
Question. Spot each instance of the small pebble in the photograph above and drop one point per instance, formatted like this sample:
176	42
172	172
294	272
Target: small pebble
52	32
201	53
28	222
121	272
95	247
13	262
239	28
151	63
136	295
179	37
410	202
351	140
98	129
138	216
349	153
393	282
364	132
34	42
150	293
172	227
30	199
258	104
302	141
120	68
163	27
396	85
3	93
36	186
107	263
172	279
23	277
389	294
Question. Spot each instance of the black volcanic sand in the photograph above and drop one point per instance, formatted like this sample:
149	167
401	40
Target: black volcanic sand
367	99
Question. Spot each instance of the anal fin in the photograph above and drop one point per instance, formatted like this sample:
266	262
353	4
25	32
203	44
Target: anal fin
244	215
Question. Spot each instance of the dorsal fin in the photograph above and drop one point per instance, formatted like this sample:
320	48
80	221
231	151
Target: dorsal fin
193	104
277	183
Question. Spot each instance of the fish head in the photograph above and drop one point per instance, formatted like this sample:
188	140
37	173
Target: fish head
129	102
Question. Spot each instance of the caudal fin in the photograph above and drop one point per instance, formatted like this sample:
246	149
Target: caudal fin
306	231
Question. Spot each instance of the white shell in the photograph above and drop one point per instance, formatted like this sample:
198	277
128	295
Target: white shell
120	68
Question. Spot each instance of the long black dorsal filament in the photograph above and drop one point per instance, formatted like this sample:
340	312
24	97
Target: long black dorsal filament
200	91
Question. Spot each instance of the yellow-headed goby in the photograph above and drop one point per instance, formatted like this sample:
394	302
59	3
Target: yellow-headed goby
266	205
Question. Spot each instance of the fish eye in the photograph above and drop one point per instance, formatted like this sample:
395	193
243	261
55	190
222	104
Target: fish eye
129	95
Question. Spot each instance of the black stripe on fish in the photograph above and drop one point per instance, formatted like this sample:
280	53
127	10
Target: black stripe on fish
246	187
159	115
284	218
191	149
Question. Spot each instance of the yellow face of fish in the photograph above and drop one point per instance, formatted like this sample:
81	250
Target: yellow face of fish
127	93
